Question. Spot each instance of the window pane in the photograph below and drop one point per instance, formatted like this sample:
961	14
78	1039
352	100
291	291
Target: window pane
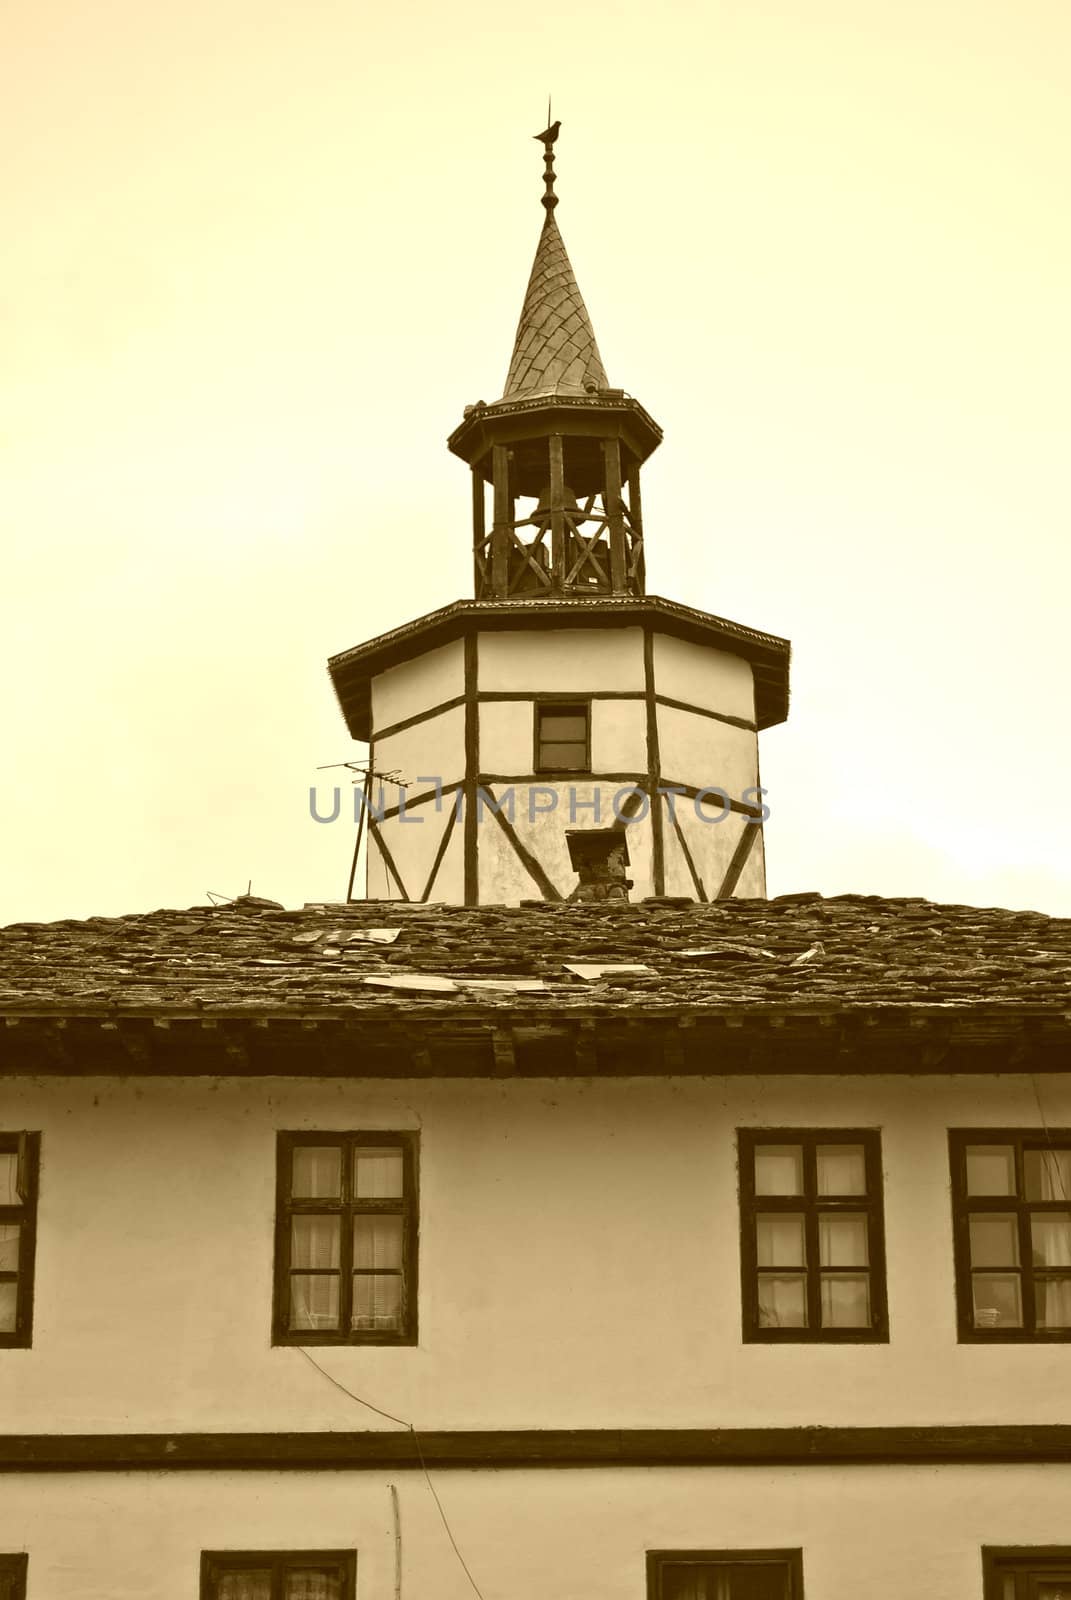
568	757
317	1171
842	1241
1050	1238
9	1172
994	1239
846	1300
778	1169
377	1241
312	1583
695	1582
314	1241
377	1301
564	726
9	1247
754	1580
313	1301
1047	1174
1052	1297
997	1300
841	1169
779	1239
8	1307
782	1300
378	1173
254	1584
990	1169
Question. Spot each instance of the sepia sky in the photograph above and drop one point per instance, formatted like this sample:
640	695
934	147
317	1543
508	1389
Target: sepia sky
259	256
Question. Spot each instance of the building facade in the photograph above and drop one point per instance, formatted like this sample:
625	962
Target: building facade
737	1274
645	1240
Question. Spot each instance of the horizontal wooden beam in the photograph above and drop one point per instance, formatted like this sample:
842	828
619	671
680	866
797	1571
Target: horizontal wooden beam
528	1448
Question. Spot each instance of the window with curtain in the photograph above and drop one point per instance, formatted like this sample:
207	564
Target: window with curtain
1025	1574
1011	1196
724	1575
19	1154
346	1239
563	736
812	1239
278	1575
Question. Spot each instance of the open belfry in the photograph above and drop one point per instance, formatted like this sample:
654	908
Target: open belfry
647	1239
563	700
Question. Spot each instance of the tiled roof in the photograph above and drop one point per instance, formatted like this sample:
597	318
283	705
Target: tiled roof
798	953
555	350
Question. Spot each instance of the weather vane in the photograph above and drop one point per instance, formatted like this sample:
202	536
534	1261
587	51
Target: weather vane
547	138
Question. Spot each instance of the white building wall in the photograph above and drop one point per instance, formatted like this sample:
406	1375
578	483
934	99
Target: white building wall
701	676
561	660
415	686
579	1258
885	1533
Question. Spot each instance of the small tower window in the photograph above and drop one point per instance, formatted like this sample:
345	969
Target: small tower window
563	736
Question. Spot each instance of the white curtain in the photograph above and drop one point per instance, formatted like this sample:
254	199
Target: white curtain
312	1585
244	1586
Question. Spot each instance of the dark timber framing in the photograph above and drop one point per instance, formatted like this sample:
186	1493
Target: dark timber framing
789	1565
654	766
1021	1140
470	820
215	1564
346	1206
396	1450
455	1037
812	1206
26	1150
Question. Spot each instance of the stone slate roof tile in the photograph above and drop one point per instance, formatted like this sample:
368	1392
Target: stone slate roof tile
252	956
555	350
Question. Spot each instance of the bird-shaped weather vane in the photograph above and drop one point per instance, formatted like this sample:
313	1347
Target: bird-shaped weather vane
547	138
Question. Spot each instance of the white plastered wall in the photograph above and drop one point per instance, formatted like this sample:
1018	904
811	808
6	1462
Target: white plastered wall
565	660
415	686
615	1199
885	1532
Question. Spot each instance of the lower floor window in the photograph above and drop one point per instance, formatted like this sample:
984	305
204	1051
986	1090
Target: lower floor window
13	1577
1028	1574
724	1575
278	1575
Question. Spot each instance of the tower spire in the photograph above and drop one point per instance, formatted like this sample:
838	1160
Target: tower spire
555	350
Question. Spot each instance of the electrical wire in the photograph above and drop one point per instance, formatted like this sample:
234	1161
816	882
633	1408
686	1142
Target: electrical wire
402	1423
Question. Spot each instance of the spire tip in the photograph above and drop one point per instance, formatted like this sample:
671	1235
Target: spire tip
547	139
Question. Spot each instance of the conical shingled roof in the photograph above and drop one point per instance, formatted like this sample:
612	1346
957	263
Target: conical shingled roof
555	350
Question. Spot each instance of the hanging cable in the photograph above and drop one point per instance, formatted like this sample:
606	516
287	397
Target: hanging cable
402	1423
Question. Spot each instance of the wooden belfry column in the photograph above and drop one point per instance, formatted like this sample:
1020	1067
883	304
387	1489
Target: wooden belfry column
560	451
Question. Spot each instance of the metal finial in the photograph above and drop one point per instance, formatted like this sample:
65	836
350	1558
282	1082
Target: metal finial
547	138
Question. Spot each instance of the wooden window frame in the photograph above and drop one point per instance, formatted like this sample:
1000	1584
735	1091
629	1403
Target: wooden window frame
790	1560
27	1148
217	1563
872	1203
13	1574
347	1207
1021	1561
1021	1139
578	705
